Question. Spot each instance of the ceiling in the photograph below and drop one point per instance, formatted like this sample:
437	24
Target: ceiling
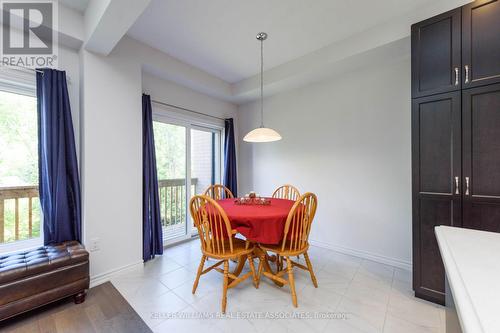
79	5
218	36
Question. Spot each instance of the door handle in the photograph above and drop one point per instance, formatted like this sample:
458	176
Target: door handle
457	190
466	185
457	73
467	73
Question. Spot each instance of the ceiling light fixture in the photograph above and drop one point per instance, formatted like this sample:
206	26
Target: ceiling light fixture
262	134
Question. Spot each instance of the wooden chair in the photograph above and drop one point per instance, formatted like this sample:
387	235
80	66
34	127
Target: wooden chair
289	192
218	242
295	242
218	192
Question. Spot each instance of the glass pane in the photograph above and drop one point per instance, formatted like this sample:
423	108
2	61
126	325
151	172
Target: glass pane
170	145
20	213
205	168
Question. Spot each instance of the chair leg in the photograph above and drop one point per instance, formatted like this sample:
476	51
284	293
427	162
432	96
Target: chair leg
252	268
291	280
224	286
310	268
261	266
200	269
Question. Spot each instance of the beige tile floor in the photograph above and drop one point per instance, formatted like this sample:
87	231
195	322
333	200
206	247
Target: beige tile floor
370	297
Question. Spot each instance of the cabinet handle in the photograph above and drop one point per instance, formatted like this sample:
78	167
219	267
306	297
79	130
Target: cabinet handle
457	73
466	185
467	70
457	190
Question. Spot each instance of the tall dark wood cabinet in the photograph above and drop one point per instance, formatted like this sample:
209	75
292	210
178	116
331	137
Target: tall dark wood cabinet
481	157
436	54
455	132
480	43
436	139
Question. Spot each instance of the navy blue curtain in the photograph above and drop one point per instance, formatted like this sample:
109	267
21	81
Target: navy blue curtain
212	176
59	184
230	176
152	236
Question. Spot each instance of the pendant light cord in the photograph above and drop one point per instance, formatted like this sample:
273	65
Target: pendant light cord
261	83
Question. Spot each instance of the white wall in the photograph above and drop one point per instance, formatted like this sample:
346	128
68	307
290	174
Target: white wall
172	93
112	159
348	140
69	61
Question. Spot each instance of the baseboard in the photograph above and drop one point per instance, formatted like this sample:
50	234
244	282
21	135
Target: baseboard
105	277
364	255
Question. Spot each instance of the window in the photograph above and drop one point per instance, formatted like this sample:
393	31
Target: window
186	153
20	213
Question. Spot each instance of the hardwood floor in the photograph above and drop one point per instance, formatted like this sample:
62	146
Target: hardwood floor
104	310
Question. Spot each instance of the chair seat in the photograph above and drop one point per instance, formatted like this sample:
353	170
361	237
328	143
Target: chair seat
239	249
286	252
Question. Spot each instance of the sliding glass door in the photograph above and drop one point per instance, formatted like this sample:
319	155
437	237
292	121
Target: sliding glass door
170	144
186	153
205	160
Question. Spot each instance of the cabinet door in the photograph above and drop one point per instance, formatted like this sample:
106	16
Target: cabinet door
436	52
436	162
481	158
481	43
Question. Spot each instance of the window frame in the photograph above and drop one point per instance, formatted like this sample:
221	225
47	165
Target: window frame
21	83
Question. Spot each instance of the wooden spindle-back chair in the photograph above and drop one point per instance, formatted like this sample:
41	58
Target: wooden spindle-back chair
295	243
218	192
286	191
218	242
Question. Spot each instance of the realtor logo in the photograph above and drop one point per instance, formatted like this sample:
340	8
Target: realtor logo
28	33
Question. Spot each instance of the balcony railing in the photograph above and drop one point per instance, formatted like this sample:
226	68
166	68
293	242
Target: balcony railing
173	200
19	212
20	209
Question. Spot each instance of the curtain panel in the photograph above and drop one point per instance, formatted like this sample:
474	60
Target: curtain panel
59	184
151	219
230	174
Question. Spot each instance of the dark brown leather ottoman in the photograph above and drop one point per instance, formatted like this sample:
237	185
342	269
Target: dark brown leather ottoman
34	278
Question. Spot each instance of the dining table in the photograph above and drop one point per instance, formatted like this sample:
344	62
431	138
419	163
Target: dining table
258	223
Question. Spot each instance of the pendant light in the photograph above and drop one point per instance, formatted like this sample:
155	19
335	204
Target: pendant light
262	134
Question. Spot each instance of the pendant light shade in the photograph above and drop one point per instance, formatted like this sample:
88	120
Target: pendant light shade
262	134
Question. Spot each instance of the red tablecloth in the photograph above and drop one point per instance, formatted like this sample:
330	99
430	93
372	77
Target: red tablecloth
258	223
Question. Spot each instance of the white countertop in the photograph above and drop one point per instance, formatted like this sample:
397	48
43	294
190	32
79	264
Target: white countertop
472	263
